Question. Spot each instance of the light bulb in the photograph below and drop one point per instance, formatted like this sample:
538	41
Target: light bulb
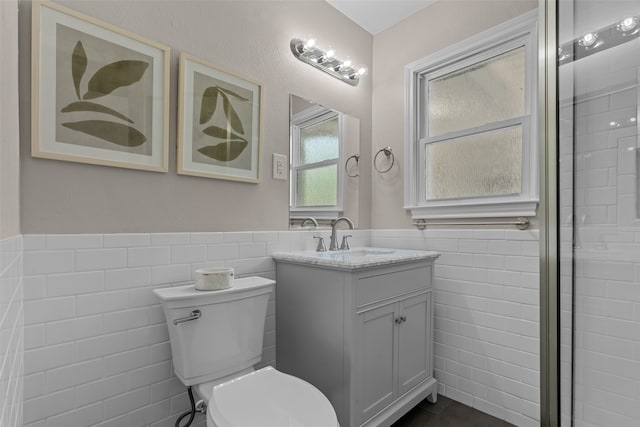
346	63
362	70
563	54
588	39
628	24
327	56
309	43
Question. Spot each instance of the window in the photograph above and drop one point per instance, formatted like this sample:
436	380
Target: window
470	147
315	153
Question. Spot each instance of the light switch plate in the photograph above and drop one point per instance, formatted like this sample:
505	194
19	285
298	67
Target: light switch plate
280	166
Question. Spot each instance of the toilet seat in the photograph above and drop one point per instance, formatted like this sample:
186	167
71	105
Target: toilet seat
269	398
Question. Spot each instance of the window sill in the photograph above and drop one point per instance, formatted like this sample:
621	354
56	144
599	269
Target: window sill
475	210
317	213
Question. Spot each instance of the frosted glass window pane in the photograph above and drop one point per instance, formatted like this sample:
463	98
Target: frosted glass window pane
319	142
486	164
318	187
486	92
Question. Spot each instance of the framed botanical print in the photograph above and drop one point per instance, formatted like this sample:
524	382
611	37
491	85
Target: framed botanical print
219	122
99	93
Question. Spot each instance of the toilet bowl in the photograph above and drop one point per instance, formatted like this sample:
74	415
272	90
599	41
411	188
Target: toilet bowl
216	339
267	398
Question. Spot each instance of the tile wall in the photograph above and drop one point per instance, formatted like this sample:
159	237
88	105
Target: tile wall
11	332
606	291
96	344
486	352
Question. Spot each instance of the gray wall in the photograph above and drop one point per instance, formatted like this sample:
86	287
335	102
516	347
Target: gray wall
9	136
439	25
250	38
64	197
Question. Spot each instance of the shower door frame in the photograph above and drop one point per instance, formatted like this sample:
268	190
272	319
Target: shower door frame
548	214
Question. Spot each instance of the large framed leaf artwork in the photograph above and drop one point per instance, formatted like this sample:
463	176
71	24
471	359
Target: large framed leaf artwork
219	122
99	93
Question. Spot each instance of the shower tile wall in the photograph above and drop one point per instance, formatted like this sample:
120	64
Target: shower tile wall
606	288
486	324
11	332
96	344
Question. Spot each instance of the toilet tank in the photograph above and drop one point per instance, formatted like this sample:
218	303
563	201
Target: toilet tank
227	336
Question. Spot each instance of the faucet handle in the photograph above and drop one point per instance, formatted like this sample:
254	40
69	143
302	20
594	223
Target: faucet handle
345	243
321	247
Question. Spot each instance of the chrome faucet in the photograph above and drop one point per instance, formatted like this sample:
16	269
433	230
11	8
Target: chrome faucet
333	245
309	219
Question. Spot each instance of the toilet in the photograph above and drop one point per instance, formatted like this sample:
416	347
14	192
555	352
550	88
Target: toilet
216	339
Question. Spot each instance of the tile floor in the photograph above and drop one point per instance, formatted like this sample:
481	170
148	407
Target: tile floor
447	413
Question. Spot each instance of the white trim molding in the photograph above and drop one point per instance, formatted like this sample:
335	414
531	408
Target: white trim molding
518	32
476	210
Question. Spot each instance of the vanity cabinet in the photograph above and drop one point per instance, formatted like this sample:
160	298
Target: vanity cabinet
394	351
363	336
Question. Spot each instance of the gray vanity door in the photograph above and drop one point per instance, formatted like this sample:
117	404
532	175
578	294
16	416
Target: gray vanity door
376	359
414	341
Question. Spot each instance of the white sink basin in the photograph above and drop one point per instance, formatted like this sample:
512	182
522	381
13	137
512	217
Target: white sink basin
365	252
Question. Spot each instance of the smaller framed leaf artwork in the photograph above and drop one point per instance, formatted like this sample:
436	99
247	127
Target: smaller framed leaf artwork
219	122
99	93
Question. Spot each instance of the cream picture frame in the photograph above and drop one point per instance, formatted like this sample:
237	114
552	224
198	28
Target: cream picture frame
219	122
99	93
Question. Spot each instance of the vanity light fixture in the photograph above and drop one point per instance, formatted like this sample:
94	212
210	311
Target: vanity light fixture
596	41
309	53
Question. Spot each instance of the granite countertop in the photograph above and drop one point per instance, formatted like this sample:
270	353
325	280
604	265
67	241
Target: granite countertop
355	258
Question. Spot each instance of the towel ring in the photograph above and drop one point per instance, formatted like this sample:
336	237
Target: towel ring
387	152
357	159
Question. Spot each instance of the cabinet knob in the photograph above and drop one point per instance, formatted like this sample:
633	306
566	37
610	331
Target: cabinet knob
401	319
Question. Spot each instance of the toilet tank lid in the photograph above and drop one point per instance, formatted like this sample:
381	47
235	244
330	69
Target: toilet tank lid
186	292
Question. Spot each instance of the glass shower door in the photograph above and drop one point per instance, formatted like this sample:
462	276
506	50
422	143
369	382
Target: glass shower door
599	212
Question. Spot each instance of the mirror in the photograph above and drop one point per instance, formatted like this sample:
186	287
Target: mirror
324	148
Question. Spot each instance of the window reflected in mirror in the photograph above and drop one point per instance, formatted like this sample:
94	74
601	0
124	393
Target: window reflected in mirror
316	152
322	184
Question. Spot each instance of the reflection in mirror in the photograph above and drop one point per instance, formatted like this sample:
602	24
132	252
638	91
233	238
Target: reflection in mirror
324	152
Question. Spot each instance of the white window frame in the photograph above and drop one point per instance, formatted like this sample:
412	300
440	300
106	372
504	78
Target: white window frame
310	117
510	35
